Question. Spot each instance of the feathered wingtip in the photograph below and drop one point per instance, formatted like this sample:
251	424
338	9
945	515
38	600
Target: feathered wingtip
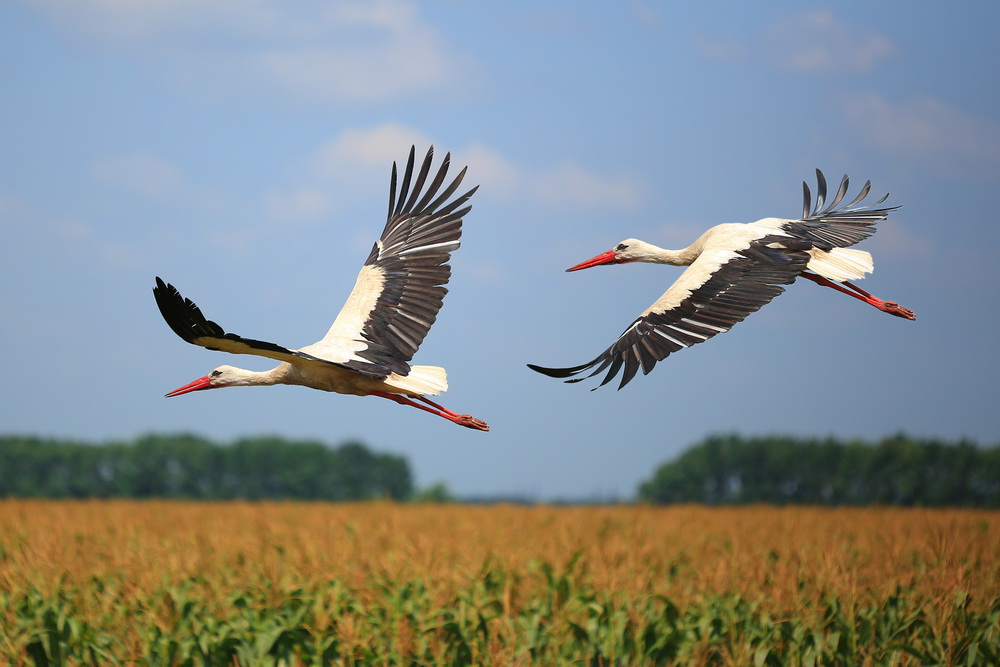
399	204
602	362
556	372
809	212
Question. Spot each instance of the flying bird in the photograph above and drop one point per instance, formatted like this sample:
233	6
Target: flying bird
395	300
735	269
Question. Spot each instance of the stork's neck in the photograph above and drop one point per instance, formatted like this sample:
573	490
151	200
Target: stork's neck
244	378
656	255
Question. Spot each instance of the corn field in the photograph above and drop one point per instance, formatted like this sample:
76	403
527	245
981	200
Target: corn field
380	583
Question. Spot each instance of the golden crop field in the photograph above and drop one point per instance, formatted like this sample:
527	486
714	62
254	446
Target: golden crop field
105	582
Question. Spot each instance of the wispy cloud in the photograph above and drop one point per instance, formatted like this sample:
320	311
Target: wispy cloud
320	52
813	41
36	236
357	161
571	186
567	186
374	147
399	55
935	131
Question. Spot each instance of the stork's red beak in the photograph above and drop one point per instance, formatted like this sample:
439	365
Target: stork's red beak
604	258
200	383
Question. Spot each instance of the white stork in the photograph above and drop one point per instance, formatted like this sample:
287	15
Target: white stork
735	269
395	301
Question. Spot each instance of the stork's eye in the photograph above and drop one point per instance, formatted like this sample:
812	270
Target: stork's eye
216	373
621	246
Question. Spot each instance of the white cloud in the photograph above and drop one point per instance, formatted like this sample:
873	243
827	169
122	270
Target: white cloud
399	55
929	129
321	52
377	147
492	168
403	57
129	23
814	41
571	186
45	239
125	23
565	186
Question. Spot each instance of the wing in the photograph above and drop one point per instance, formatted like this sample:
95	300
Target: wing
709	298
837	226
401	286
187	321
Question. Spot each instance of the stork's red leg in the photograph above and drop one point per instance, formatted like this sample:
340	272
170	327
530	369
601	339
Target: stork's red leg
467	421
890	307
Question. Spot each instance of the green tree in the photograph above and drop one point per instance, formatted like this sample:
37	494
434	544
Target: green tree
187	466
898	470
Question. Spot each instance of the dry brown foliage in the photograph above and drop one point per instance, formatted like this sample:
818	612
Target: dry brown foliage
783	557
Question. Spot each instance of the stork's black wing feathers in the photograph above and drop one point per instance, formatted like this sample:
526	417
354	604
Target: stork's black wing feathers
412	255
741	286
187	321
834	227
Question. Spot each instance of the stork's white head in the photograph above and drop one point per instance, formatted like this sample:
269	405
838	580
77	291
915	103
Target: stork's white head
223	376
629	250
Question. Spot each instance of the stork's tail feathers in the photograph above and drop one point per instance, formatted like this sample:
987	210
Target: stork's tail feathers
421	380
841	264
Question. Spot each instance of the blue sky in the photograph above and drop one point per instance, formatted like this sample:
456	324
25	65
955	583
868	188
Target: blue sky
242	151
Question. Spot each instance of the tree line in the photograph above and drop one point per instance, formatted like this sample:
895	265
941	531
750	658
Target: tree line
191	467
898	470
732	469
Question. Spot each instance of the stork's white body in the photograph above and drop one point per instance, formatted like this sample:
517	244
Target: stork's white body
720	244
421	380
